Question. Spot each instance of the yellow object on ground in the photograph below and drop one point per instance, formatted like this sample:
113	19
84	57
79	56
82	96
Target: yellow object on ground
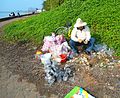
38	52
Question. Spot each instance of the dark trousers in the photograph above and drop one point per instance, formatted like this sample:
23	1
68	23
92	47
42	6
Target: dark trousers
74	45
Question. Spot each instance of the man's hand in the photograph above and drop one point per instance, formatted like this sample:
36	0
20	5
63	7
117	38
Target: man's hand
80	40
86	42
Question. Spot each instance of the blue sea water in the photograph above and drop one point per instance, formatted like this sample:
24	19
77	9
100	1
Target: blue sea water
4	15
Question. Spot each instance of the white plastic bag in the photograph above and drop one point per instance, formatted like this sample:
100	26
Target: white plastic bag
46	58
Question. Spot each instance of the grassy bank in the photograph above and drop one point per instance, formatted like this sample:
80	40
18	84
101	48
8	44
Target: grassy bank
103	18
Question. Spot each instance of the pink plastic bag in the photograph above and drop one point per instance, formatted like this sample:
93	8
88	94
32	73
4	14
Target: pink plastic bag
48	42
60	39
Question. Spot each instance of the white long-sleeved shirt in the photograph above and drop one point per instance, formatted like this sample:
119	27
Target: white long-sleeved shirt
78	34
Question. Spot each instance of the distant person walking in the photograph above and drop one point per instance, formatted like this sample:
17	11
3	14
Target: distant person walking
18	14
9	15
12	14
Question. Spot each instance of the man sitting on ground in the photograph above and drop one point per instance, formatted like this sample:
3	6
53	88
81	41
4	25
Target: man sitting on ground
81	36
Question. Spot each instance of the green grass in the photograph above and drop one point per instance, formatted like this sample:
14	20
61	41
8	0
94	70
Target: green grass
102	16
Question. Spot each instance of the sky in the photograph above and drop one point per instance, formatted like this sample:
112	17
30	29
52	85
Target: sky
15	5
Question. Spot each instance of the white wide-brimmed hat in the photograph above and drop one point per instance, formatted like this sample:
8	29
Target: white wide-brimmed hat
80	23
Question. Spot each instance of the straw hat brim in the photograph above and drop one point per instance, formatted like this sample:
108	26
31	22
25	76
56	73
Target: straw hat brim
80	24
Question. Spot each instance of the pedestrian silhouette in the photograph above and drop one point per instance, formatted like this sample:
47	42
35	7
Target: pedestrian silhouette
18	14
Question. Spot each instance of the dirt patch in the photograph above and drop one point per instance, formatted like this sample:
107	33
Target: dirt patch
101	82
